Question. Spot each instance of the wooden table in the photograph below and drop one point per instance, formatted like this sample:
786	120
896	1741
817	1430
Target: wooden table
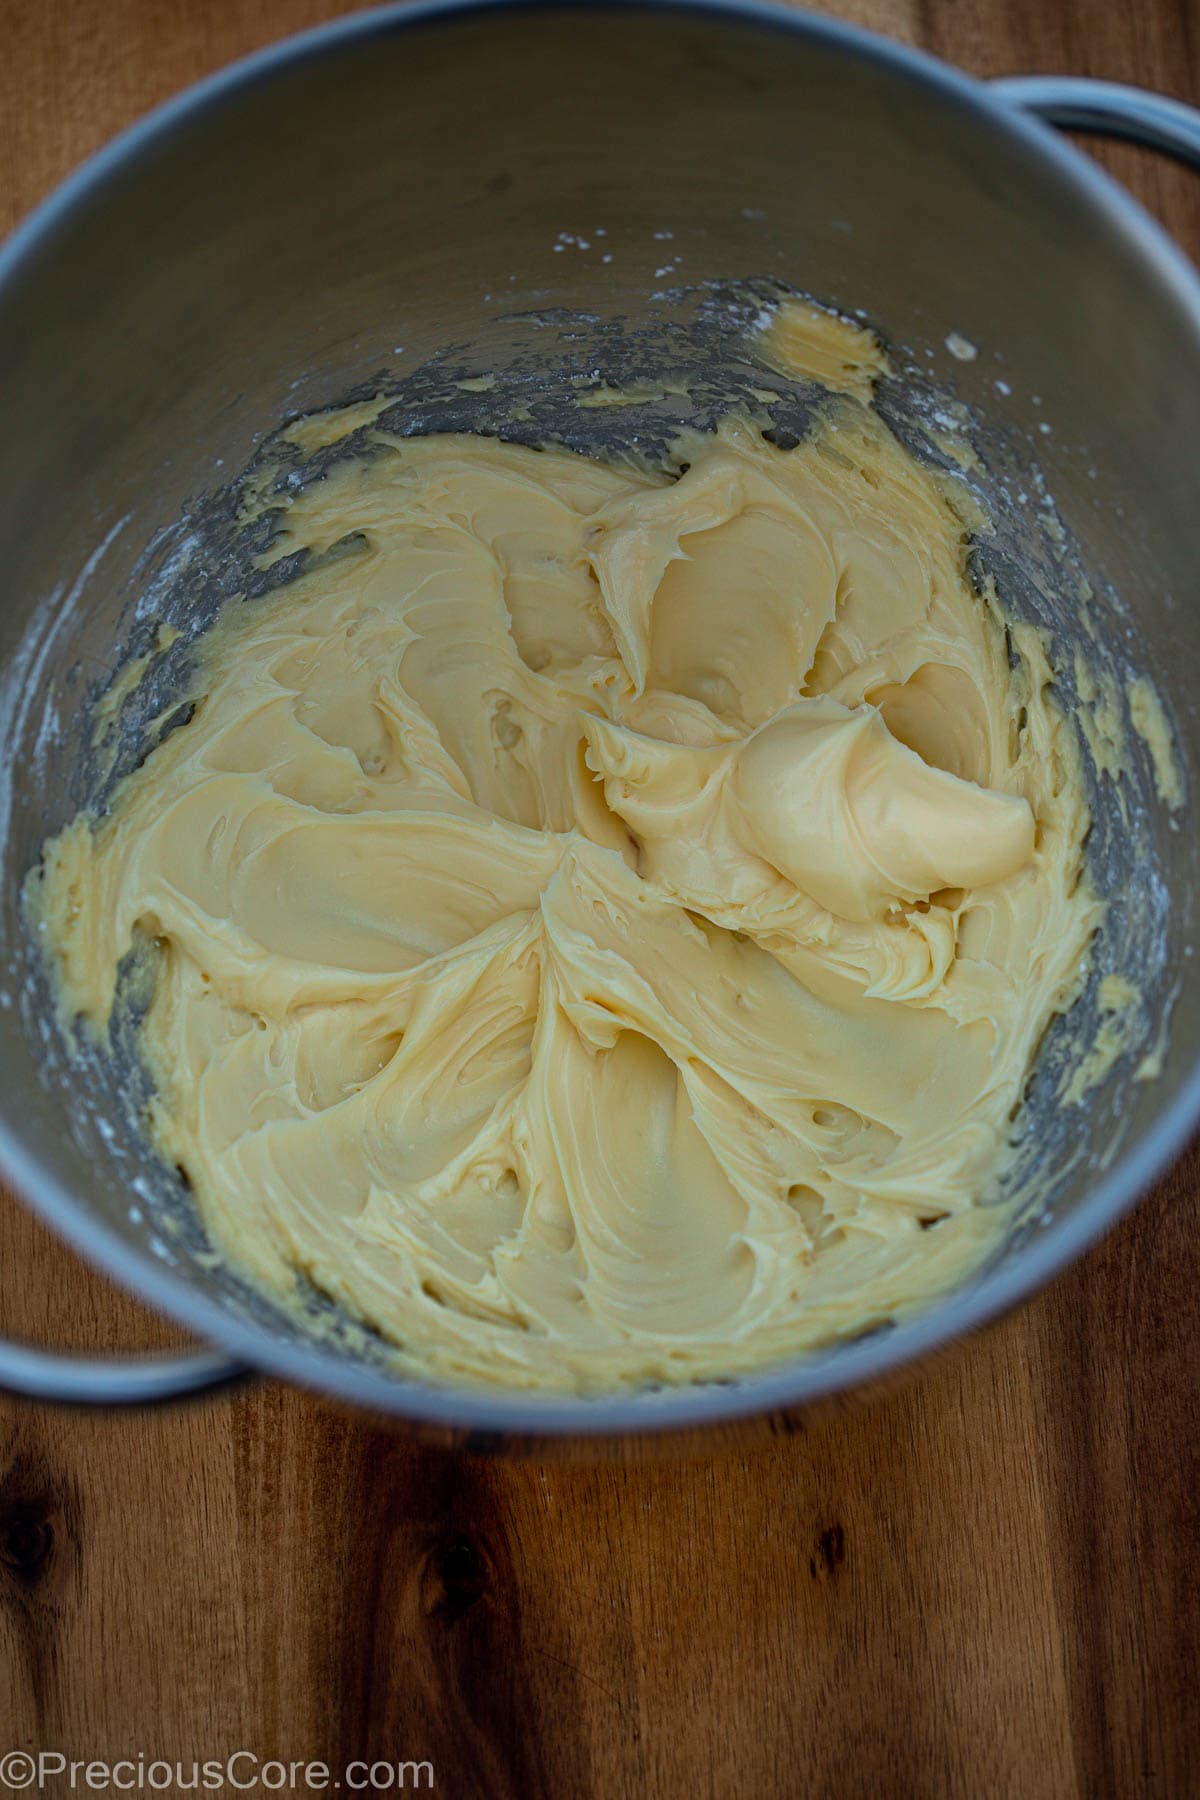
984	1583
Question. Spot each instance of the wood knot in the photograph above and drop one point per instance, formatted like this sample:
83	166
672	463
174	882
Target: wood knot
27	1539
830	1552
455	1578
39	1536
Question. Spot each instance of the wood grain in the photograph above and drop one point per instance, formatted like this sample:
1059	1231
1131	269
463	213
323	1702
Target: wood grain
984	1582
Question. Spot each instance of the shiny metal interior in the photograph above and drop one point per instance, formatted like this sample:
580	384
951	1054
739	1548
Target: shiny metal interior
561	197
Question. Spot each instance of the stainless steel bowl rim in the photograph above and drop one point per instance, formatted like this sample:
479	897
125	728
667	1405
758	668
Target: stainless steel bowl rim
817	1376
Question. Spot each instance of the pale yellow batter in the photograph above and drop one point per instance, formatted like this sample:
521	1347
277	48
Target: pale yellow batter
600	925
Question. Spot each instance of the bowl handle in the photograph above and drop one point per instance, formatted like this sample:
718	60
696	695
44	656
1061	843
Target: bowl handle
38	1374
1108	108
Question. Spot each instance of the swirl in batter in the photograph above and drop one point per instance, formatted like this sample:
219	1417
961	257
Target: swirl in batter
600	924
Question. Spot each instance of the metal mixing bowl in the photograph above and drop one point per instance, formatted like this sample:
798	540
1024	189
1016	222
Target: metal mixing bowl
556	194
